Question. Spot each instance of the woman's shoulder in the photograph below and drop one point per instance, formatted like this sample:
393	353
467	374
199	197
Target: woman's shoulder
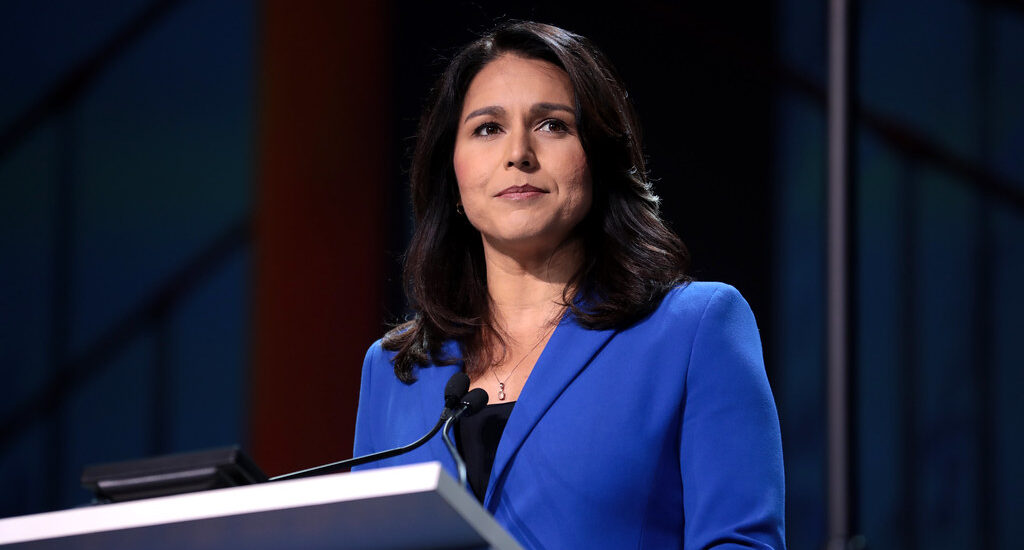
376	351
691	308
697	298
716	315
378	356
377	359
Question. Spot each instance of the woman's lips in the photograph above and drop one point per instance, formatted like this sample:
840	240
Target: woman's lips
520	192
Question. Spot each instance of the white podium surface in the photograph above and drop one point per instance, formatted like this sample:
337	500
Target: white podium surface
404	507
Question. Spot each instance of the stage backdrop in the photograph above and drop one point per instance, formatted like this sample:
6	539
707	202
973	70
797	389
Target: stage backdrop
203	209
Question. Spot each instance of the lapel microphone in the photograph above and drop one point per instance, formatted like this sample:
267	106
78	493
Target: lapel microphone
457	403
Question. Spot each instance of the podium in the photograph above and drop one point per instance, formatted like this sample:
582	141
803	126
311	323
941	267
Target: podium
404	507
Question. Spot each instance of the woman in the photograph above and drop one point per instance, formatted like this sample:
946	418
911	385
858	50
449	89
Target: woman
628	406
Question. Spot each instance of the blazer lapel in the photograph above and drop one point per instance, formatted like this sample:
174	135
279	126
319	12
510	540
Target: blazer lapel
569	350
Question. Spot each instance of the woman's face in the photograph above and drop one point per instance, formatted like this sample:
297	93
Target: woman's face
522	174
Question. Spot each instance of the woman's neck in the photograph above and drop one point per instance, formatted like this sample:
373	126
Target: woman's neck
526	290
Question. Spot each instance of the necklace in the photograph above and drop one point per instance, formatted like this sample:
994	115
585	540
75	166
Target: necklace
501	383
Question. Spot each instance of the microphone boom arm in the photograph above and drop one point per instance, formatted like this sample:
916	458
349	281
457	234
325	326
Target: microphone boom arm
356	461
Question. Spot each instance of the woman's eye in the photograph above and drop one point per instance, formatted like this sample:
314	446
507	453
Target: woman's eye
554	125
486	129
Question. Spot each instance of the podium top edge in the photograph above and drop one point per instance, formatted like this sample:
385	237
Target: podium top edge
263	497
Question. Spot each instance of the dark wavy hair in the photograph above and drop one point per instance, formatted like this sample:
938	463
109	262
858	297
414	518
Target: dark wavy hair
630	258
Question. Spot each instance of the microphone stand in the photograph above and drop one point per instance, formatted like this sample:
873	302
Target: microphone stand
460	464
468	403
356	461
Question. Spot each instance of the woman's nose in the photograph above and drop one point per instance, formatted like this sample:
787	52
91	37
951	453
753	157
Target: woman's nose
520	153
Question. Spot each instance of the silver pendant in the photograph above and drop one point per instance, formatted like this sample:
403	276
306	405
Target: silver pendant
501	391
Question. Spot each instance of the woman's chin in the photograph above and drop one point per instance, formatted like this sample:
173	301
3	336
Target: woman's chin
526	242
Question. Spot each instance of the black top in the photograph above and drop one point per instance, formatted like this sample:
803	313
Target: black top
477	440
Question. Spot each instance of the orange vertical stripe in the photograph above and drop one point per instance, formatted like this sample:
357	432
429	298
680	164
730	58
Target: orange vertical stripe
320	225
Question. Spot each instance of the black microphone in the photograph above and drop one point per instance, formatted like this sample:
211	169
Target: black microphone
471	404
454	393
454	390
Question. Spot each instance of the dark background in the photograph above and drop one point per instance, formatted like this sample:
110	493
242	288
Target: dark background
203	206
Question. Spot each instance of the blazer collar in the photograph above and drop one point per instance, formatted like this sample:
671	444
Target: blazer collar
567	352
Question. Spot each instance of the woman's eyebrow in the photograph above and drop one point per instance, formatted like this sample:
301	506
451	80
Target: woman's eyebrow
492	110
548	107
543	107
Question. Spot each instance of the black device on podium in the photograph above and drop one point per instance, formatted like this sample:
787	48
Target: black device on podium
231	467
171	475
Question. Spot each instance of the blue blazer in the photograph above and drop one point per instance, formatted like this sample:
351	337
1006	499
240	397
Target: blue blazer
662	435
